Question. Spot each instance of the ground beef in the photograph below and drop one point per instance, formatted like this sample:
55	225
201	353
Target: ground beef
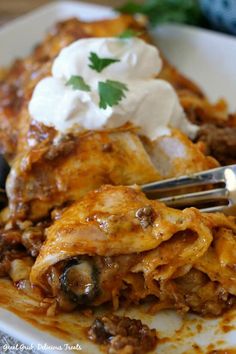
20	242
146	216
33	238
9	239
197	292
220	142
10	249
123	334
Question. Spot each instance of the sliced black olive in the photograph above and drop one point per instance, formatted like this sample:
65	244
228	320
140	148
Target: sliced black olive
79	280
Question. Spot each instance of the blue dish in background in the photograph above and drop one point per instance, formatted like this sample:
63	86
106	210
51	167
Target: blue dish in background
221	14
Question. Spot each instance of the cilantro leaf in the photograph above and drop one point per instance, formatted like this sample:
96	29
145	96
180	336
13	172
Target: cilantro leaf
98	64
130	7
129	33
162	11
111	93
78	83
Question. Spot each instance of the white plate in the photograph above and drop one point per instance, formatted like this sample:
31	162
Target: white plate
206	57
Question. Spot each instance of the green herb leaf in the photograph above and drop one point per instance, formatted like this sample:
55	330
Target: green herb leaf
162	11
111	93
78	83
129	33
98	64
130	7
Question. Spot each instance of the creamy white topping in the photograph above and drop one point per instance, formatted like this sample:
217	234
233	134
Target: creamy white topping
138	60
149	103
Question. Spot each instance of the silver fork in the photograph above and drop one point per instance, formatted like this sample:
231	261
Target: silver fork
218	190
220	193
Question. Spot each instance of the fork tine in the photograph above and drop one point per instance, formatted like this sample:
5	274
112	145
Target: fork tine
215	175
192	198
214	209
225	196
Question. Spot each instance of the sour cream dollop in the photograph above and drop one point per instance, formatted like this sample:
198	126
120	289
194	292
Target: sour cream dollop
149	103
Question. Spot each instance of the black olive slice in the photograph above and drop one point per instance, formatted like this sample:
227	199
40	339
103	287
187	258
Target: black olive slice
79	280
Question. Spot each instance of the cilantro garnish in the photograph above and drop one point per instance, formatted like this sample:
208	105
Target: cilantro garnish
111	93
129	33
162	11
98	64
78	83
